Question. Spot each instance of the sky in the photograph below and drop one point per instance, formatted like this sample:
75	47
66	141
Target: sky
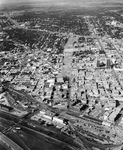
87	2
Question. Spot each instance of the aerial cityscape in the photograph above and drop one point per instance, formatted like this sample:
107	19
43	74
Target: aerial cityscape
61	75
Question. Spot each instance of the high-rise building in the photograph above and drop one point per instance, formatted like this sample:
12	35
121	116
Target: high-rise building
98	63
108	63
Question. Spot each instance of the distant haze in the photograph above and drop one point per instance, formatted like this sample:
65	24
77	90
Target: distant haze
74	2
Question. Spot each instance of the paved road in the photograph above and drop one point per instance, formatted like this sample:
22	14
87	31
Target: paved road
101	45
101	48
90	141
83	138
12	21
38	30
3	146
9	142
34	132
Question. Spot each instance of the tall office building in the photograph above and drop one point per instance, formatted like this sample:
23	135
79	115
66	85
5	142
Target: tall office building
98	63
108	63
